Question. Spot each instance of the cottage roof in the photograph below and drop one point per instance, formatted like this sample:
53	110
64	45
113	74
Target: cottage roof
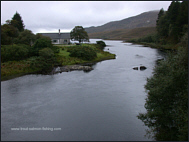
57	35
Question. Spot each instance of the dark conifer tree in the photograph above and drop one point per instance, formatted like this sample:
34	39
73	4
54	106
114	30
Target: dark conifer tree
160	14
17	22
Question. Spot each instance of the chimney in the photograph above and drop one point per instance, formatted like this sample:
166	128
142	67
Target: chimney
59	31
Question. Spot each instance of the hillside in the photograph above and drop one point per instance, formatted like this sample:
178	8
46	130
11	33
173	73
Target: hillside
124	34
146	19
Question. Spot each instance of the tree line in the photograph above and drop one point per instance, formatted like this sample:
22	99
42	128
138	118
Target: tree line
167	89
18	43
171	25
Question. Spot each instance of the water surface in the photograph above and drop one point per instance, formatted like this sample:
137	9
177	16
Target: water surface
98	105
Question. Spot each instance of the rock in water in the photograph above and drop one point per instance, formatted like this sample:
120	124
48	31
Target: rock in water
71	68
135	68
142	67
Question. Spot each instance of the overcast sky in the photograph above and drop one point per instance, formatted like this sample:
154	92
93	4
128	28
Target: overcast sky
49	16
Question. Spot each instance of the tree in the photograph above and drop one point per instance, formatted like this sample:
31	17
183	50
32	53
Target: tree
162	29
167	100
173	13
8	32
161	13
43	42
46	60
17	22
79	34
182	18
25	37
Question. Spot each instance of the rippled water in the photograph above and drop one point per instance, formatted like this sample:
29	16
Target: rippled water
98	105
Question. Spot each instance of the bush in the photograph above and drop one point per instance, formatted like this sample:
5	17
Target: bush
15	52
83	52
25	37
101	44
55	49
149	38
46	53
41	43
44	62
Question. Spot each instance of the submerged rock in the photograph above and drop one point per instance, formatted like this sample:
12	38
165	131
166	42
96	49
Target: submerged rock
71	68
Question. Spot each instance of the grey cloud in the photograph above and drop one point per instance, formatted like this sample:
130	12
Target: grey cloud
49	15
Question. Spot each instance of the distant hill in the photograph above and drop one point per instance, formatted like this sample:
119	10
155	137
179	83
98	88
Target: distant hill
123	34
117	29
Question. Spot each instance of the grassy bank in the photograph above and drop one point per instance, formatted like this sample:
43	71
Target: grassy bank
158	46
65	59
12	69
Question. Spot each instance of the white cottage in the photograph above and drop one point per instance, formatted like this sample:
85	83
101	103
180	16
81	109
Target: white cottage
58	38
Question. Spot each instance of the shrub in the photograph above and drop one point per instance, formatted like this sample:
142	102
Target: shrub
44	62
46	53
43	43
15	52
40	44
101	44
83	52
25	37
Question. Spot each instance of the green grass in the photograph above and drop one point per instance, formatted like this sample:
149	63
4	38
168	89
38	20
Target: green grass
65	59
12	69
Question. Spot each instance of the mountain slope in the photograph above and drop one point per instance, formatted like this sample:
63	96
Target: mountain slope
146	19
124	34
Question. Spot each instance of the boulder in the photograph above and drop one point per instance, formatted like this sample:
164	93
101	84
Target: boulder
71	68
135	68
142	68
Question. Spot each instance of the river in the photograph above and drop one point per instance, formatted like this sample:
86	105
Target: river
98	105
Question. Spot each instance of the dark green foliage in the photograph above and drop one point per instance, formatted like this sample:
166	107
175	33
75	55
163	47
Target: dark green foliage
46	53
15	52
167	100
11	29
172	25
152	38
160	14
149	39
101	44
40	44
37	49
83	52
45	61
25	37
38	36
17	22
55	49
162	29
79	34
8	33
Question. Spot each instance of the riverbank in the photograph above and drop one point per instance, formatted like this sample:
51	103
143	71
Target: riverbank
13	69
154	45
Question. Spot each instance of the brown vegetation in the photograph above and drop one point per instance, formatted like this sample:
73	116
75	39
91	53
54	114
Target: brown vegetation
124	34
